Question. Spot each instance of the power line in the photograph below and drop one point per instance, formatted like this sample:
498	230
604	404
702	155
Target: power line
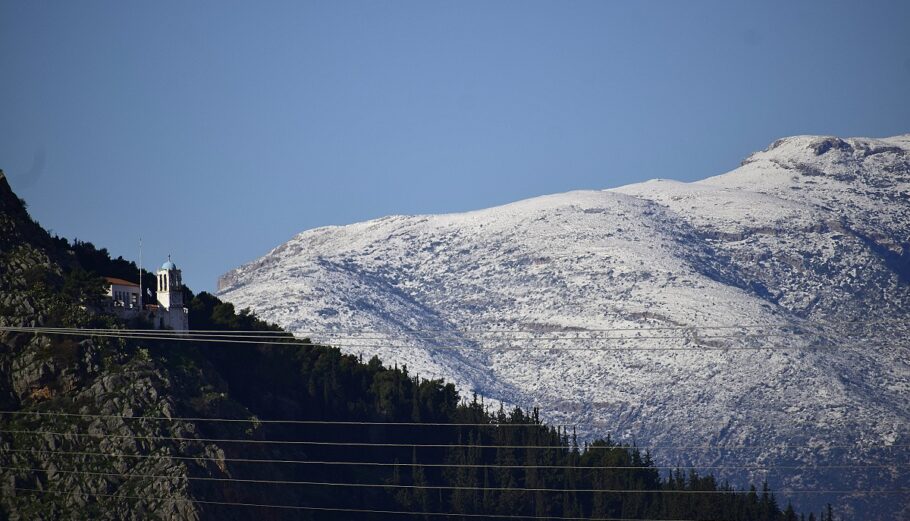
452	465
546	426
289	422
388	341
563	329
490	335
436	332
331	509
527	335
486	349
683	332
288	338
443	487
448	445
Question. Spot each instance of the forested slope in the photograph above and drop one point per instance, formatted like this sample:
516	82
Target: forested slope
118	427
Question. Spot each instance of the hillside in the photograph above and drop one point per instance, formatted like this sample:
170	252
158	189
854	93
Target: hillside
129	423
808	239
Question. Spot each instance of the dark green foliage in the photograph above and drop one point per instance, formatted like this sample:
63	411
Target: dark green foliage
310	382
207	312
790	514
83	286
473	460
99	262
320	383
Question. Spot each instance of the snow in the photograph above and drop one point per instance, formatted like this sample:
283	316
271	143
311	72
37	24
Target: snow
811	234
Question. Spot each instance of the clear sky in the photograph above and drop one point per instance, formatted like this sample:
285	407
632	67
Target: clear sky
218	130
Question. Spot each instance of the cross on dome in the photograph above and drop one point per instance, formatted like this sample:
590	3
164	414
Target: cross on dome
169	265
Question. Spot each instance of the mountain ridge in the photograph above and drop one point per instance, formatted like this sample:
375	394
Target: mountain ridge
126	425
806	236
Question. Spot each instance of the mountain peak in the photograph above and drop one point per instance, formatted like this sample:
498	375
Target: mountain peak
806	236
817	145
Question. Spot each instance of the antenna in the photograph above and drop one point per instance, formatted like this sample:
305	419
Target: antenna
141	295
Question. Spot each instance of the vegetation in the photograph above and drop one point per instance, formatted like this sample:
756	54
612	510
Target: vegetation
490	463
437	451
99	262
485	473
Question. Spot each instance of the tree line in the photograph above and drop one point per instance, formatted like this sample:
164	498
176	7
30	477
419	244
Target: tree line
482	460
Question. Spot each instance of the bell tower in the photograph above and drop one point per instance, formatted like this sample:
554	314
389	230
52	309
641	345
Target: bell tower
170	286
171	313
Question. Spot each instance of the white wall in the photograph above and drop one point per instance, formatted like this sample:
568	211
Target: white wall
174	297
129	295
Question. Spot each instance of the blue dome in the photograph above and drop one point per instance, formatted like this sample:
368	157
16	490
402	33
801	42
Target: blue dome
168	266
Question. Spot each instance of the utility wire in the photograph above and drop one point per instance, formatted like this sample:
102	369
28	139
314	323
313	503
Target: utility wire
567	334
563	329
442	487
451	465
330	509
448	445
487	349
687	332
684	332
516	344
568	330
290	422
287	338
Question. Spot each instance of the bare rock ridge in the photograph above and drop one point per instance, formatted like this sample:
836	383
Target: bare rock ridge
809	238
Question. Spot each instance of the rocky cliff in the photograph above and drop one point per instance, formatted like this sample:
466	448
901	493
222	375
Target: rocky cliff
49	465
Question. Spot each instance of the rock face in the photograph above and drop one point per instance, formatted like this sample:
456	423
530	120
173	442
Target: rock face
49	465
38	370
807	239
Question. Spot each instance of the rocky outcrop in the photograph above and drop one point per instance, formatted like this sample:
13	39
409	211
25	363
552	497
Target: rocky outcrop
87	467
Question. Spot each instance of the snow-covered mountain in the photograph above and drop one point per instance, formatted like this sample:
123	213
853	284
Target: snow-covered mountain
802	254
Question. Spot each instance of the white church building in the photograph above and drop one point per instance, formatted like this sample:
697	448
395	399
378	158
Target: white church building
170	311
123	293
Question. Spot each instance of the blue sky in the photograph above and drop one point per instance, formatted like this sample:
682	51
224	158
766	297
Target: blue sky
218	130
